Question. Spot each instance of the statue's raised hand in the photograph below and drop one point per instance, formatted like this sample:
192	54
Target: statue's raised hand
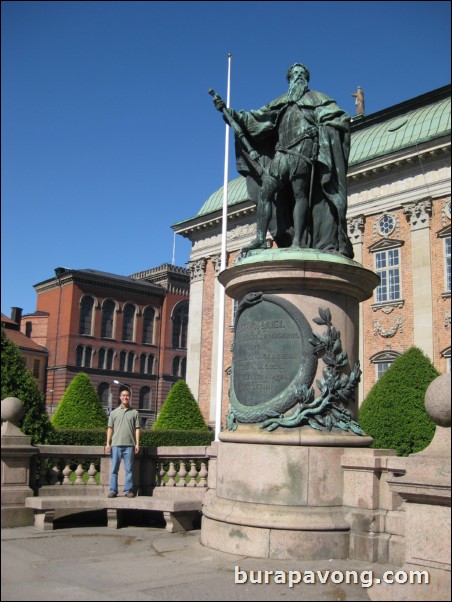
218	102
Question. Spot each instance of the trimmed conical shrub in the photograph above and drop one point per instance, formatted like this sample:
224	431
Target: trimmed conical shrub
180	411
18	382
393	413
80	407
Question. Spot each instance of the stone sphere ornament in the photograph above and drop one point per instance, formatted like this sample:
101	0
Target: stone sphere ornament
12	410
437	400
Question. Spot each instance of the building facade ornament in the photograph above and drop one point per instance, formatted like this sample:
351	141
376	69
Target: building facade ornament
418	214
387	307
216	262
355	228
386	334
389	223
197	270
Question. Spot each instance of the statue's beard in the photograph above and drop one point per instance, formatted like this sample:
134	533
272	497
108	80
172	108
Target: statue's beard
297	87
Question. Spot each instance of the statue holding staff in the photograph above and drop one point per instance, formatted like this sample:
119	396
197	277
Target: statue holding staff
294	155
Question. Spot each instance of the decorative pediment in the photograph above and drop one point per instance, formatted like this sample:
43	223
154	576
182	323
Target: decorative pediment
444	232
385	244
385	356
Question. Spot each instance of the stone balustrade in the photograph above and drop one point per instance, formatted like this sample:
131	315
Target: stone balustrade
88	469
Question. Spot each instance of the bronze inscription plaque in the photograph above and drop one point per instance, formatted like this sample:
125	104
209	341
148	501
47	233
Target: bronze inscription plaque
267	353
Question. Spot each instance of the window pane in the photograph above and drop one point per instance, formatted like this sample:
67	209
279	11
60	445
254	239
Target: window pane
86	315
128	322
148	325
108	310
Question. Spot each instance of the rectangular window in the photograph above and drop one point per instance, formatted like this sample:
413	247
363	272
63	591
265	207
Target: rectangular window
387	266
447	262
36	366
382	368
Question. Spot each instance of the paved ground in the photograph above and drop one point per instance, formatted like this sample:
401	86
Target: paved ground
147	563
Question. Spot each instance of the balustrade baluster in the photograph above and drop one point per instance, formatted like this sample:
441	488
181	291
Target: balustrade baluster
161	482
192	474
79	471
203	475
92	474
182	474
67	470
171	474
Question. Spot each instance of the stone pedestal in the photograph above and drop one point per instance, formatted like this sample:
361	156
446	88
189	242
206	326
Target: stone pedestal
17	452
279	494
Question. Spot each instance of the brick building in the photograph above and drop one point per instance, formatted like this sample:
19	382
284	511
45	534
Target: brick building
34	353
399	223
128	329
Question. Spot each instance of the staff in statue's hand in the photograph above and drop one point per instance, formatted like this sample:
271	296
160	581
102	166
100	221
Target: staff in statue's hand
253	155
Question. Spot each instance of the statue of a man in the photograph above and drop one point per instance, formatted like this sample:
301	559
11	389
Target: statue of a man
302	141
359	100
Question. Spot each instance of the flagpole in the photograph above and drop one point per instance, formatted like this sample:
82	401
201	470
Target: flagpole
221	304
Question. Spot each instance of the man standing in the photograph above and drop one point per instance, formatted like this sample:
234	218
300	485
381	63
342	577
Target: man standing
123	440
303	141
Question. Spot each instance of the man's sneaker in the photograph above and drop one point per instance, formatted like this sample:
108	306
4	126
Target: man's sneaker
112	494
129	494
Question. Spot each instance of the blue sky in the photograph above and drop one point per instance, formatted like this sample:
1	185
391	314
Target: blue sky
109	136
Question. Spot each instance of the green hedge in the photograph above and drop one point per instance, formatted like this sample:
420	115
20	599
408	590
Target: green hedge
172	438
394	413
78	437
180	411
147	438
80	407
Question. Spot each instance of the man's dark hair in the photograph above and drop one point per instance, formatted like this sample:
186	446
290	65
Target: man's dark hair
124	388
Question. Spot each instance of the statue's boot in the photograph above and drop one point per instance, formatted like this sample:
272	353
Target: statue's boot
258	243
263	219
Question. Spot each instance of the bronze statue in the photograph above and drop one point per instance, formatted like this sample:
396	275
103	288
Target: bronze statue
294	155
359	100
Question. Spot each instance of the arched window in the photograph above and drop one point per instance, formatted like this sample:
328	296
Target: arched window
83	356
145	398
130	361
148	325
128	324
180	326
103	391
146	363
86	315
88	356
108	316
28	329
176	366
101	360
79	356
183	367
383	361
109	359
122	361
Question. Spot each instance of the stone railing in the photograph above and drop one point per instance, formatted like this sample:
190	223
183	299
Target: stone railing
181	467
60	468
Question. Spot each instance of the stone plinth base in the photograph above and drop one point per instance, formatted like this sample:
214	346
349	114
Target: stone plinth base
278	500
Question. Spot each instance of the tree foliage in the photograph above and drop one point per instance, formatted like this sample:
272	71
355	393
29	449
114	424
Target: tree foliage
18	382
180	411
80	407
394	413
